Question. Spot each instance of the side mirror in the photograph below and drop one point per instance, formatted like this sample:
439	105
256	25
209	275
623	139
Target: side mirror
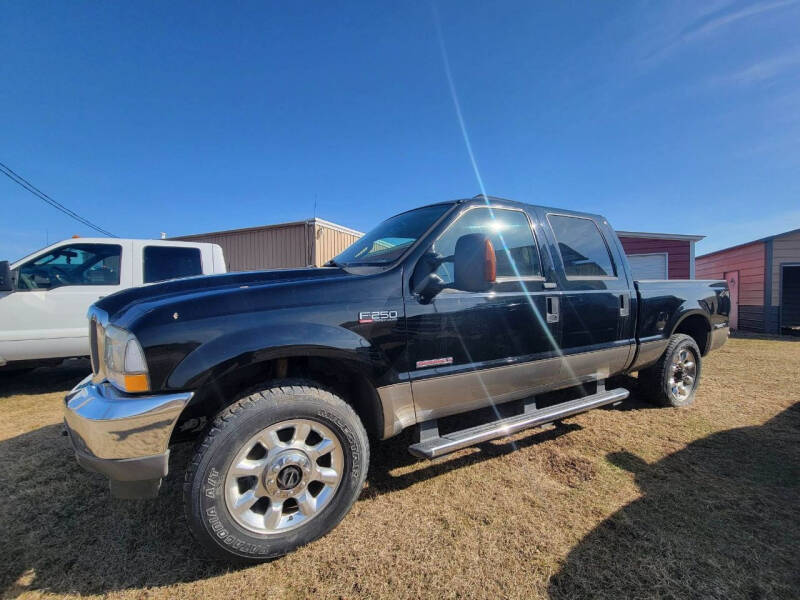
474	263
6	285
430	285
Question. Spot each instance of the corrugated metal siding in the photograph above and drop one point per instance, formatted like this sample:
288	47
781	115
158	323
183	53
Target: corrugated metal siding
261	248
751	318
785	249
678	251
329	242
299	244
749	260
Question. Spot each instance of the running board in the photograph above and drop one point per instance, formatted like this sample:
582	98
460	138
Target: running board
435	446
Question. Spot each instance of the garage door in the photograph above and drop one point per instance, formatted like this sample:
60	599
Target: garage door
790	297
648	266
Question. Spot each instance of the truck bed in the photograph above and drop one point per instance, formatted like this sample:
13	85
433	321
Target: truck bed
661	303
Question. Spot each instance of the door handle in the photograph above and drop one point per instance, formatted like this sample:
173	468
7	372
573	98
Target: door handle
552	309
624	305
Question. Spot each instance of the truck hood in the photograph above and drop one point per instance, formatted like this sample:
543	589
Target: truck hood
183	289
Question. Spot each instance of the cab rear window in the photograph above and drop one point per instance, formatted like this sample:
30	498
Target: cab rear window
170	262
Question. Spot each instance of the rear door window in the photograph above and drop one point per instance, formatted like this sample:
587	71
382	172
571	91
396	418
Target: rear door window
170	262
583	250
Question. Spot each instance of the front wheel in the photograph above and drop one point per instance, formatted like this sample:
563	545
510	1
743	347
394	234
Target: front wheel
673	380
277	470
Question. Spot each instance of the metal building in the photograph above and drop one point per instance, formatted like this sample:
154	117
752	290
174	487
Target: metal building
297	244
764	281
659	255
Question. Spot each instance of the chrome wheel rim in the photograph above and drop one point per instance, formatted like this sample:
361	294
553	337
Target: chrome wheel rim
284	476
682	374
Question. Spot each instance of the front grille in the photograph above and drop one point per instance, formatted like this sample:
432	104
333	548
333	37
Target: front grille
93	353
97	347
98	320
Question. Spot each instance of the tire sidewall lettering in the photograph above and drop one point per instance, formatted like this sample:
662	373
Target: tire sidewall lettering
352	442
214	513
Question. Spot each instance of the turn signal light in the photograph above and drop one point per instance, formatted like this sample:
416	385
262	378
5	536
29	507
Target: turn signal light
136	383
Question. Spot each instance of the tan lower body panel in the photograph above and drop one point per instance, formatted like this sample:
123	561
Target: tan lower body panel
451	394
398	408
649	352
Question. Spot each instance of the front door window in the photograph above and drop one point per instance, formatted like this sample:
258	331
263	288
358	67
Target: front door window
511	236
75	264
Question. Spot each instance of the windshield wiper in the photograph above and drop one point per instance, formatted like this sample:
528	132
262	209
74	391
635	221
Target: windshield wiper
373	263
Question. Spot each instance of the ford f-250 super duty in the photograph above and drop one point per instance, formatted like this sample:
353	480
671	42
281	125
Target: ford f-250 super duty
286	377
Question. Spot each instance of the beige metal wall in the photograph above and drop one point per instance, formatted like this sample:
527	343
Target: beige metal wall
330	241
784	249
298	244
273	247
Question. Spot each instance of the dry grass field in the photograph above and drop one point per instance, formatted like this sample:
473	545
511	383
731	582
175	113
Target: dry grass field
632	502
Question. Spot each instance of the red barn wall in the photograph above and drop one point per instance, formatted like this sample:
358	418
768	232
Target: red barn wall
750	261
678	253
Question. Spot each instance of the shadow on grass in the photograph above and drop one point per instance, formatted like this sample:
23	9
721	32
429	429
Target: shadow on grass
718	519
44	380
393	454
65	534
638	398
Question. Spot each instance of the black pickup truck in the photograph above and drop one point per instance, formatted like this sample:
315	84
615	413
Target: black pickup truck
286	377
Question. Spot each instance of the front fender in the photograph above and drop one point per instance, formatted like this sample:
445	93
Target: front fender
242	348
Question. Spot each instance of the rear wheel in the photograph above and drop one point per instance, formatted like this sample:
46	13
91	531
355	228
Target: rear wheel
673	380
278	469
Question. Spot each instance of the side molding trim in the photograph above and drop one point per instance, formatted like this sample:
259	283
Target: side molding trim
451	394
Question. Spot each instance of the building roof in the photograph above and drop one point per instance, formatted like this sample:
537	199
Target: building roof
660	236
764	239
315	221
332	225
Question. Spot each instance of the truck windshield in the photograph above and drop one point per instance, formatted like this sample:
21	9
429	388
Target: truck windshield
389	240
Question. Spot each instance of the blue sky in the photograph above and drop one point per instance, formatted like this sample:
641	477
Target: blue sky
185	118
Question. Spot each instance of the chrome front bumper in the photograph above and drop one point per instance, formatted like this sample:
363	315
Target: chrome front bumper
123	436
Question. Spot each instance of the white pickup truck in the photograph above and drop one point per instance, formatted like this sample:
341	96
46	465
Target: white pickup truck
44	296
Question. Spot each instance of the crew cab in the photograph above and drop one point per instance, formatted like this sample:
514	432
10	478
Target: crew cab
286	378
44	296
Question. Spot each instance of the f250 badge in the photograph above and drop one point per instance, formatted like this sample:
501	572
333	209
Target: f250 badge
373	316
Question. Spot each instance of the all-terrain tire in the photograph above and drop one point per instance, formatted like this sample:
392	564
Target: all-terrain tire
206	505
667	383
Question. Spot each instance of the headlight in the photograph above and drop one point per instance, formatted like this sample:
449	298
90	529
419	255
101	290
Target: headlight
125	365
